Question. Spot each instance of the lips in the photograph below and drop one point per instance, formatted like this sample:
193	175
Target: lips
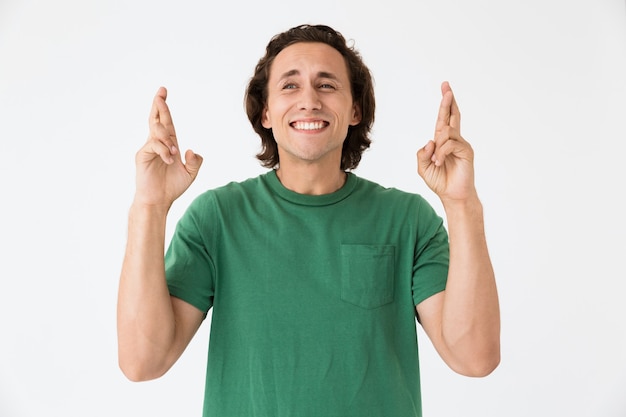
312	125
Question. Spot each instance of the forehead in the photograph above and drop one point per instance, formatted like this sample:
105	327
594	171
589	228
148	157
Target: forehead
309	56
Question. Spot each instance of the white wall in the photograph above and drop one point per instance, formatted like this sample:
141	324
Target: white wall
541	86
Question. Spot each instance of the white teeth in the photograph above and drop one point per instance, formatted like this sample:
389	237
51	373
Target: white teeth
308	125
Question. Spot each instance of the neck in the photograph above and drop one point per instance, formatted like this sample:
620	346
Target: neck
311	179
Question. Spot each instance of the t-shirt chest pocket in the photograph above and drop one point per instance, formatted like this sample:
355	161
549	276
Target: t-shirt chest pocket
367	274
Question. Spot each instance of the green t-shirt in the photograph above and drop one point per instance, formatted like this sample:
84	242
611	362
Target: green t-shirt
313	297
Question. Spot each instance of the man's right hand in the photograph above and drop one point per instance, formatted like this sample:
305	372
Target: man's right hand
154	327
161	174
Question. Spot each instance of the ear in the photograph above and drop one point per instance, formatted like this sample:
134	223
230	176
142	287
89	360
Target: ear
265	119
356	115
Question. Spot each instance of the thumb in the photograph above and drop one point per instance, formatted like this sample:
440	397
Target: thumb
193	162
424	156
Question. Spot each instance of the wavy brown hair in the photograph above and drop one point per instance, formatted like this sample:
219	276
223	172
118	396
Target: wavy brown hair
361	83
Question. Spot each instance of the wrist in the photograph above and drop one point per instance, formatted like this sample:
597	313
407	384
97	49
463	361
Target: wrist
149	210
470	206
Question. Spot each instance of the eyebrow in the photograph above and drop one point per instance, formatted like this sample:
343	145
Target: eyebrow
321	74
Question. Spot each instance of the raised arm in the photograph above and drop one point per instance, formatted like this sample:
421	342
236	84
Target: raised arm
463	322
153	327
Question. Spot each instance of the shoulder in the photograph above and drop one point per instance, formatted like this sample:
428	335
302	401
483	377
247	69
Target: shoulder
234	189
389	195
411	207
225	200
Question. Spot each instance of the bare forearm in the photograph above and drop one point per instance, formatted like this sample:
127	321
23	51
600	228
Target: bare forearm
145	316
471	316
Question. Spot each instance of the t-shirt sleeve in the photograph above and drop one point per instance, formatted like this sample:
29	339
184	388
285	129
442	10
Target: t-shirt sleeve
432	254
189	267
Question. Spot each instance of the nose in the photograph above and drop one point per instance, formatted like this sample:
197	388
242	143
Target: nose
309	99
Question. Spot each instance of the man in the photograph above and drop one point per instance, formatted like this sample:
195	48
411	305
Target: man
314	275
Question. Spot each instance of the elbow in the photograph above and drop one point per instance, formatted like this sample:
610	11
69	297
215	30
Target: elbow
138	371
480	365
481	368
477	360
133	375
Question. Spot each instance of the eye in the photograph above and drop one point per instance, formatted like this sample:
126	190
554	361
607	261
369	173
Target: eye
327	86
289	86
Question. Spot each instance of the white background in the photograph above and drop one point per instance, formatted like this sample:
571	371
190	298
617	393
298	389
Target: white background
541	87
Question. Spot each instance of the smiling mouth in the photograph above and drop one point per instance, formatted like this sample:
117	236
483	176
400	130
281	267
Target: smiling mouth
309	125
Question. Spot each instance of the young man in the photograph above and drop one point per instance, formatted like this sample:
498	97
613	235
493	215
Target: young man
314	275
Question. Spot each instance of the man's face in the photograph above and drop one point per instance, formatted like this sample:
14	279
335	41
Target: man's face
309	106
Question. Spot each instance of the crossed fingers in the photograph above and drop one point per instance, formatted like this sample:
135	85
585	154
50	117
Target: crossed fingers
162	138
448	127
449	114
